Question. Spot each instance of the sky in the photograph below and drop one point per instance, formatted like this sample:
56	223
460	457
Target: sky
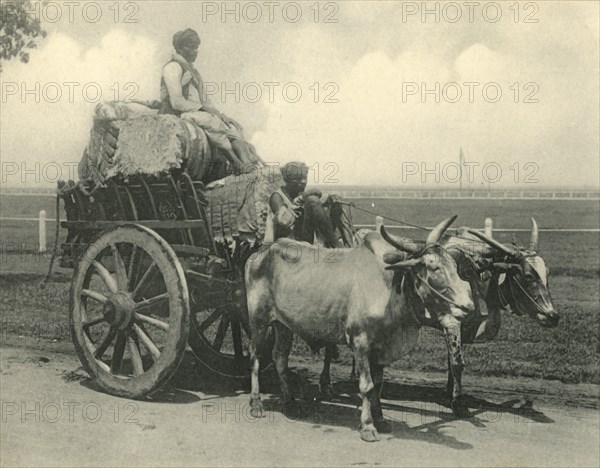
374	93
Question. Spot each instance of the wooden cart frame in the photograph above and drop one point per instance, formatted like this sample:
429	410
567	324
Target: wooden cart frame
149	280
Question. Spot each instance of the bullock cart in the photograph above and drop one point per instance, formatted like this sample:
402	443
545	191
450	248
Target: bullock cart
152	278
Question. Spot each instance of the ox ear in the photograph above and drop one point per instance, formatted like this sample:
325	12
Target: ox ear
405	265
394	257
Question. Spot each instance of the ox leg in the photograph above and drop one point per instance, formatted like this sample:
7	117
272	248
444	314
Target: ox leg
381	424
453	342
281	351
256	345
325	386
360	346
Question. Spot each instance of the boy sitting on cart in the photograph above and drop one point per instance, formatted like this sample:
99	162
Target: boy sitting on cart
300	214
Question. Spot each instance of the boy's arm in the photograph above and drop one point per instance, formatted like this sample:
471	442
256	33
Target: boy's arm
284	216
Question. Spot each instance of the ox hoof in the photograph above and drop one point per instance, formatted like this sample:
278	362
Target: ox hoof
459	409
383	426
256	409
368	433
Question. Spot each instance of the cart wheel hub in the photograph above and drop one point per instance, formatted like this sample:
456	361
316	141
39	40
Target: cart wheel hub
118	310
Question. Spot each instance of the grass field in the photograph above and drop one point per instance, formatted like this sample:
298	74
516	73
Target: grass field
570	353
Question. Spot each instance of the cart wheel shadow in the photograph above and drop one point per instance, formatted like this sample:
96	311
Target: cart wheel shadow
169	393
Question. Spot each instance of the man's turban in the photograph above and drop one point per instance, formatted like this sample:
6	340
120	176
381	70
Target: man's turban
185	37
293	171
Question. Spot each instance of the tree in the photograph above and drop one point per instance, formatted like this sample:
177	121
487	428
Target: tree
19	29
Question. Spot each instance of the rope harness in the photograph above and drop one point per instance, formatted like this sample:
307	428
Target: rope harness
504	301
439	295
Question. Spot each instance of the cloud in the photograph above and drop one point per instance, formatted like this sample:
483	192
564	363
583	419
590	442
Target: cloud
363	65
377	127
34	129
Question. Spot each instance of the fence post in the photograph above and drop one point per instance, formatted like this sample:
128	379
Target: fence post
42	229
378	223
489	227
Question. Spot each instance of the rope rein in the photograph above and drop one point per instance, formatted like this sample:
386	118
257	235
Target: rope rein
385	217
416	226
524	291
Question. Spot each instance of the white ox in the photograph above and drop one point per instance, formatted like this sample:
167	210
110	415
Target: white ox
353	298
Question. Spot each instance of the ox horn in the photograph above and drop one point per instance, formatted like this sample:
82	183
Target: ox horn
513	253
469	244
438	231
535	236
401	243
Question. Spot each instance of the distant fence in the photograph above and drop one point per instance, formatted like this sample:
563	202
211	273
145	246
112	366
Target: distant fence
470	195
488	227
28	192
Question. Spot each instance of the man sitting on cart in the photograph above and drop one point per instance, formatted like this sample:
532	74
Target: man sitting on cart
181	94
300	214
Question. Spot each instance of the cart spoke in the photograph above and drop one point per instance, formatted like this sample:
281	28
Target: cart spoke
147	341
131	277
221	332
151	321
145	281
246	326
105	343
98	297
107	278
136	357
117	357
90	323
120	268
236	334
212	318
153	301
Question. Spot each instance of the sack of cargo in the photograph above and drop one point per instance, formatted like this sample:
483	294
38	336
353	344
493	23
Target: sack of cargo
238	205
131	139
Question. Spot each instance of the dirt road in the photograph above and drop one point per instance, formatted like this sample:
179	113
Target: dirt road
52	416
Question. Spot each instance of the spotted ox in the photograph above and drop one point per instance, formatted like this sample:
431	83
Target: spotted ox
354	298
509	279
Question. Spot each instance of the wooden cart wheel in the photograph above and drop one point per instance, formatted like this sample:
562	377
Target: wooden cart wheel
220	338
129	310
